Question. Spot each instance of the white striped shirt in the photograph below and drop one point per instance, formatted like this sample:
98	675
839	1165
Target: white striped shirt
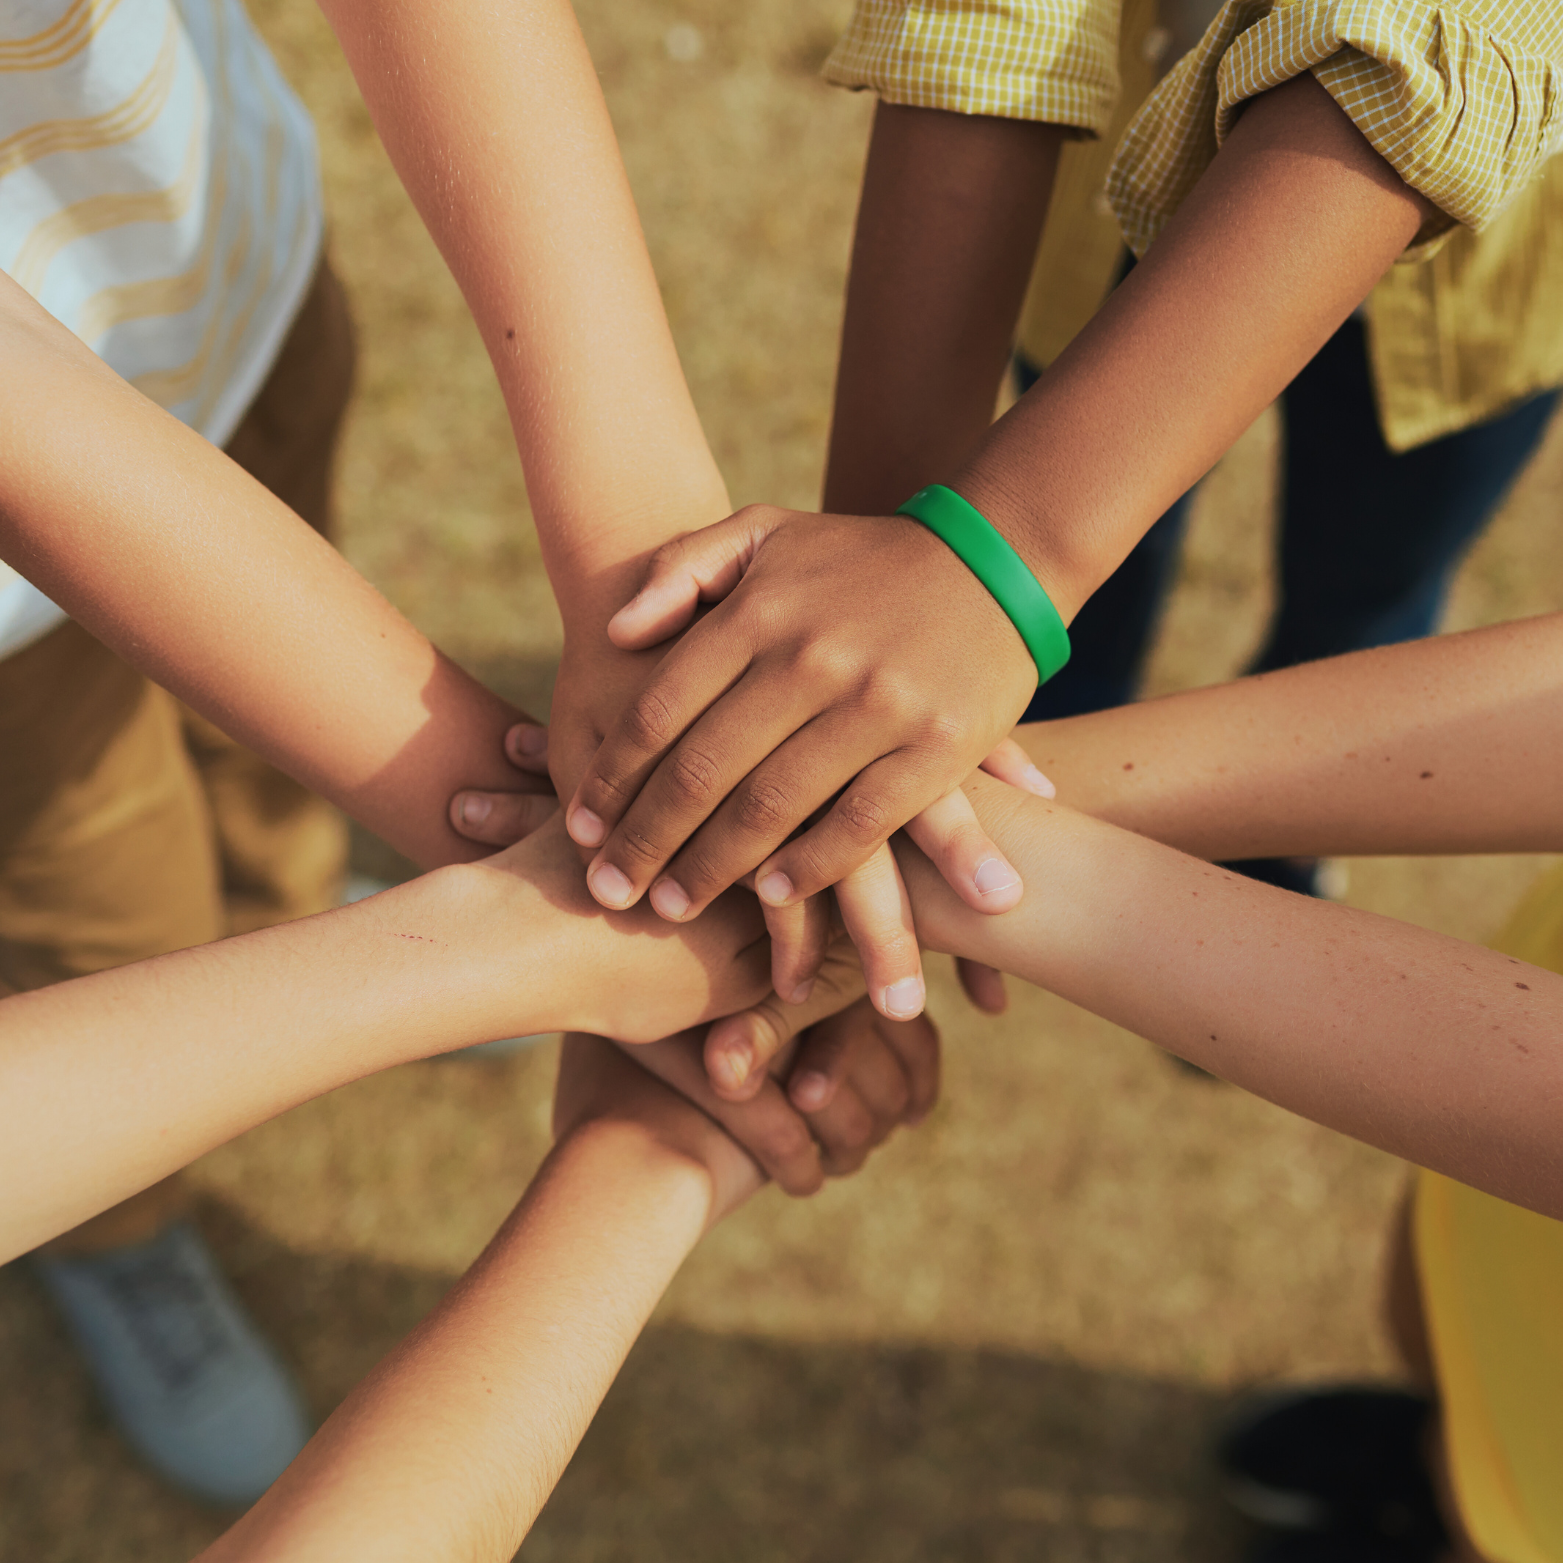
159	195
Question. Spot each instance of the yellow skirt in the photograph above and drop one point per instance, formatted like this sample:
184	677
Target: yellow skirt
1492	1285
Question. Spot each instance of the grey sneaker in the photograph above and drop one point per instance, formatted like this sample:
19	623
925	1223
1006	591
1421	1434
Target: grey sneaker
201	1396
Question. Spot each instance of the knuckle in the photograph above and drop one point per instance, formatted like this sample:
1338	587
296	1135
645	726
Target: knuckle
649	721
693	775
605	789
863	818
637	848
815	660
763	809
942	733
892	697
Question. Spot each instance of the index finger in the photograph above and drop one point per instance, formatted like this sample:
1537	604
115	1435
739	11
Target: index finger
694	676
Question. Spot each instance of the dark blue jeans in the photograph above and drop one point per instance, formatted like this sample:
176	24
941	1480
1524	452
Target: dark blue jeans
1368	539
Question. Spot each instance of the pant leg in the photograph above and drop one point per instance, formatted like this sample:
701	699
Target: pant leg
1370	539
106	849
283	850
1111	635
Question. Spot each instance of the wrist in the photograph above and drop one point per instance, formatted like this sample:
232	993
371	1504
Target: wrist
596	568
674	1179
518	933
1006	577
1004	502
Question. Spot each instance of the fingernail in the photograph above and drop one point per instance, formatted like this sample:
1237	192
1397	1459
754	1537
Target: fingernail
801	992
1039	784
475	808
775	888
733	1062
530	741
609	885
994	874
903	1000
669	900
810	1090
585	828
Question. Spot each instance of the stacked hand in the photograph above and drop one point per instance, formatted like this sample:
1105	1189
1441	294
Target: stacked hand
807	1090
781	739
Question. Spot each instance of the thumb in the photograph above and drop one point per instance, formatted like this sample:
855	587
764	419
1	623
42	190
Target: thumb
703	566
739	1049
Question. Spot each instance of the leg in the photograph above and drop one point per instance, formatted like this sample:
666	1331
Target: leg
283	851
1370	539
106	856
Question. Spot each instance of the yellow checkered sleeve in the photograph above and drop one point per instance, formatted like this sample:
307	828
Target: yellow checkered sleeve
1464	104
1050	60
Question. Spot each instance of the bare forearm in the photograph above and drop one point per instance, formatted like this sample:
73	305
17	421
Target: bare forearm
450	1448
496	123
1446	745
947	230
193	572
113	1081
116	1080
1433	1049
1284	235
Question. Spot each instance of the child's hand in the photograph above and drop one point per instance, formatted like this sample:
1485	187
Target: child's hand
871	899
857	1077
624	974
596	1082
846	652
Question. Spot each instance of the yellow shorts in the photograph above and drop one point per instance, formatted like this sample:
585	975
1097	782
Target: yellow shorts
1492	1288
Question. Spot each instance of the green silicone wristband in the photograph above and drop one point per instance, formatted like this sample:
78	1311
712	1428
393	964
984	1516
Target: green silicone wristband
984	550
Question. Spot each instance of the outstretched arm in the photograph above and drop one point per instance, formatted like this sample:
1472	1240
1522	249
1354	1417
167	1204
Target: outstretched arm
1450	744
208	1042
1433	1049
449	1449
177	559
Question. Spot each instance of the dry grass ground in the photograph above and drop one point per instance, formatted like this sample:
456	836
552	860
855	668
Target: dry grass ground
1010	1337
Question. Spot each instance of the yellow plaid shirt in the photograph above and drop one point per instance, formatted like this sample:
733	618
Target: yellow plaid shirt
1049	60
1463	105
1466	105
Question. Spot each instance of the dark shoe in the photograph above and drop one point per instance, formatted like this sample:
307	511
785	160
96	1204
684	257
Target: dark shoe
188	1378
1315	1546
1336	1462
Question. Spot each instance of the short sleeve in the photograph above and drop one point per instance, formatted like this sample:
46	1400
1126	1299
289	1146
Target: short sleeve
1054	61
1463	103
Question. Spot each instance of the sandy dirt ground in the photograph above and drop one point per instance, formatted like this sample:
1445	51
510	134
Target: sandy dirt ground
1012	1335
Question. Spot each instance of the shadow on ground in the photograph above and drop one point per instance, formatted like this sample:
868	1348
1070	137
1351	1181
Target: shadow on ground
709	1447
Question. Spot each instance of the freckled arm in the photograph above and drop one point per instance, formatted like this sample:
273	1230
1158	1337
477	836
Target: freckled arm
1446	745
1428	1047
